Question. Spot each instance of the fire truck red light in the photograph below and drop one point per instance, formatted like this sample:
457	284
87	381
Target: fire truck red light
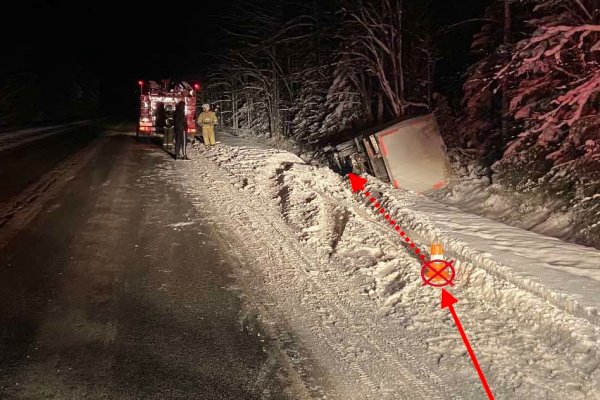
154	97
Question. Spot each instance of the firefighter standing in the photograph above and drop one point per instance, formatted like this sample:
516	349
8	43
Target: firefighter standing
207	120
180	127
167	121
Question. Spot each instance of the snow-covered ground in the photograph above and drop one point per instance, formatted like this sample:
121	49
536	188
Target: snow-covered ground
575	220
325	269
12	139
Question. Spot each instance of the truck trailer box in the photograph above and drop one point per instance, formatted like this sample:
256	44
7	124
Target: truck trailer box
414	154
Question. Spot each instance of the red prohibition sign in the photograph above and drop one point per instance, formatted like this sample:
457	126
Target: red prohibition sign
438	273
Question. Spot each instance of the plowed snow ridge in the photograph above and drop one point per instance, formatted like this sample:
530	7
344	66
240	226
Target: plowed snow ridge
351	291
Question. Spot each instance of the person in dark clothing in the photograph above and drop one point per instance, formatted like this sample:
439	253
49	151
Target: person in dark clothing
168	127
161	117
180	125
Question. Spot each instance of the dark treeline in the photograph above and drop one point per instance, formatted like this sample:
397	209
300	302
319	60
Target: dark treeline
34	91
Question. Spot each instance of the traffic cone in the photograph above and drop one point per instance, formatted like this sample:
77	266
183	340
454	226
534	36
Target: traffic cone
437	251
436	273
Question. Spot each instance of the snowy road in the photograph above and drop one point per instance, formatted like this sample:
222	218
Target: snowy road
286	281
108	292
33	165
12	139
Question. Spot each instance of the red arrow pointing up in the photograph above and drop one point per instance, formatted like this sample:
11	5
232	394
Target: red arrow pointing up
448	301
357	182
358	185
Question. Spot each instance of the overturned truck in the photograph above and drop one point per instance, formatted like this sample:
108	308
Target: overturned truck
409	154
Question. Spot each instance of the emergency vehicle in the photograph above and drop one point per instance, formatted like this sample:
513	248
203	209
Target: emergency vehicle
154	99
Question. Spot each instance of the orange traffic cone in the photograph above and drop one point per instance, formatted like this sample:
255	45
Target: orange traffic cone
437	251
436	273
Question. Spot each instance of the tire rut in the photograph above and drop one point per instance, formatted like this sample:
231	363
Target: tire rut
410	384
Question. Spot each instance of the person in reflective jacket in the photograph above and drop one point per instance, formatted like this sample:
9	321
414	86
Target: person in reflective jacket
207	120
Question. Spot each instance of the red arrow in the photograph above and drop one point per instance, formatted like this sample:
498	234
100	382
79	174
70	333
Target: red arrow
357	182
358	185
448	301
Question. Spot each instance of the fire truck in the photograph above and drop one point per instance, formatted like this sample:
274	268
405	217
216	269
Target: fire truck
154	99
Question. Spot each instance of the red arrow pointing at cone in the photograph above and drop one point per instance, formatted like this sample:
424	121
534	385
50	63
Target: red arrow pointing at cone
448	301
358	185
357	182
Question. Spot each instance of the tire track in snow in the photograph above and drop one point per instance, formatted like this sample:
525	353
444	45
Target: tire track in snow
518	371
421	383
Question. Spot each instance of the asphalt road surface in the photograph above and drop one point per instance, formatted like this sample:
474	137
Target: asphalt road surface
24	165
106	292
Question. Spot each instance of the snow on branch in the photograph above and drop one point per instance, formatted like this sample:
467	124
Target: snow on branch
555	77
570	106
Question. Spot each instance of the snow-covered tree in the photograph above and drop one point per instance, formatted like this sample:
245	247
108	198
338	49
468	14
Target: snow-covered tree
532	101
555	77
328	67
483	121
391	52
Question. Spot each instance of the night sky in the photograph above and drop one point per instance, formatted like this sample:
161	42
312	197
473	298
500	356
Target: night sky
114	46
107	42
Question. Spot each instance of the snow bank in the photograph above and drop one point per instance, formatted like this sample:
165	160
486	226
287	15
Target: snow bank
530	303
537	206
